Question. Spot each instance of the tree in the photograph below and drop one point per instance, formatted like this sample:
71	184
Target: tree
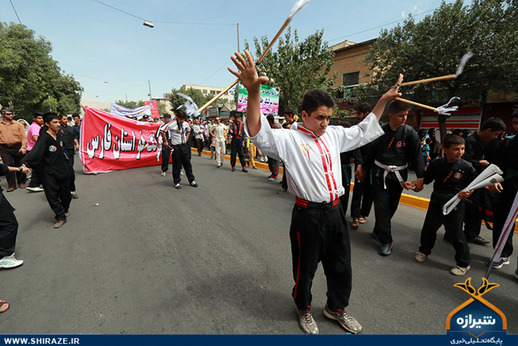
434	46
295	67
130	104
196	95
29	76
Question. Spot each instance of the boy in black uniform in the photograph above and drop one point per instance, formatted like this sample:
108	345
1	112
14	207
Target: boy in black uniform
389	158
361	202
451	175
475	154
49	154
507	160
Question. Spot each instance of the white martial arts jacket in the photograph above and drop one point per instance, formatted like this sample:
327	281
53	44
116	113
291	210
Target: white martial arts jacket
313	163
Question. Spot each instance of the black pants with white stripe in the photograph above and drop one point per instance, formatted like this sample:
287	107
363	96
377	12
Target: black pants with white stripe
319	234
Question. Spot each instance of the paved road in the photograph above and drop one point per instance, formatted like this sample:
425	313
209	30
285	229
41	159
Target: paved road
212	260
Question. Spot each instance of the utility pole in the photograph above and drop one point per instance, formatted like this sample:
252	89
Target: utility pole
149	84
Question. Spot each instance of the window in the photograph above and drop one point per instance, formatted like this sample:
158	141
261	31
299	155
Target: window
204	91
350	80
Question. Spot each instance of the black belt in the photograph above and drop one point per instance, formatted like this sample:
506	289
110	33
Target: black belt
315	205
11	145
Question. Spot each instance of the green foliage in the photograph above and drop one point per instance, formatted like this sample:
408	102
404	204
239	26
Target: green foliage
196	95
434	46
30	78
49	105
295	66
130	104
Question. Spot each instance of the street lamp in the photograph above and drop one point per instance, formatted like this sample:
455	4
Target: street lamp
149	24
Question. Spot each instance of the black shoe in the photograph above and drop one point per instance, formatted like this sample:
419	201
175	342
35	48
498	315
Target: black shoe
233	169
478	240
282	190
219	165
245	170
177	186
193	184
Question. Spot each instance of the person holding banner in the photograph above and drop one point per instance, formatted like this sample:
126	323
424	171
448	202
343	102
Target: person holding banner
179	132
166	142
318	231
451	175
52	160
507	160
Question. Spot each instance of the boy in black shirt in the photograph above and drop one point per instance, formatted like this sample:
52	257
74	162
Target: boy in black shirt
56	173
451	174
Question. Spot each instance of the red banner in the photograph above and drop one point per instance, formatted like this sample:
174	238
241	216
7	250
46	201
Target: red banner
110	142
154	108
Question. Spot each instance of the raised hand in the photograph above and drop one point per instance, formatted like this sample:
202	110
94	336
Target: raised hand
247	72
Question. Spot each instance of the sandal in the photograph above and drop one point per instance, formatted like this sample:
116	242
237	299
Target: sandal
355	223
4	306
362	220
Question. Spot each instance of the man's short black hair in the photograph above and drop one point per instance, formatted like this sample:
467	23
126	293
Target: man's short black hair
493	123
37	114
451	139
75	115
63	115
396	106
364	108
5	110
515	113
270	117
167	115
49	116
180	114
316	98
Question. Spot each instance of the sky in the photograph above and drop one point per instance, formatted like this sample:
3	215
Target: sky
115	57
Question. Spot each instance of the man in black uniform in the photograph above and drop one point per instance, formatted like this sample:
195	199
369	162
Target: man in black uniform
389	159
71	145
507	159
361	202
179	132
451	174
475	146
237	134
50	156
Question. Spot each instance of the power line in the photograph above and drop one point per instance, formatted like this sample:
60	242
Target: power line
380	26
118	9
14	9
225	64
194	23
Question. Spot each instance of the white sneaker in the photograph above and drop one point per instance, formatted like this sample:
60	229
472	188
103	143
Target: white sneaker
162	174
420	257
459	271
34	189
9	262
